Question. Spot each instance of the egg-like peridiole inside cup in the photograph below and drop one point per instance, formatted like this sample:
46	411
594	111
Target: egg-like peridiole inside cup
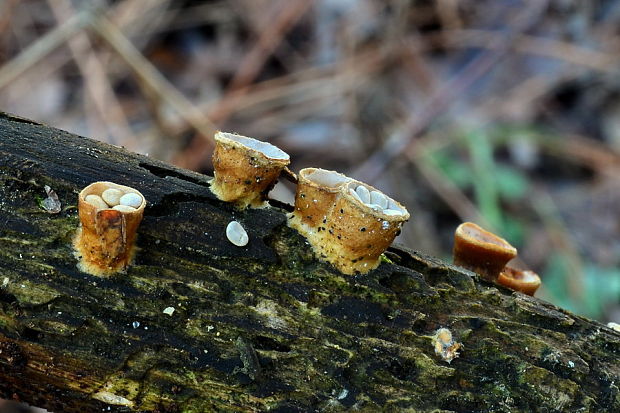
104	242
245	169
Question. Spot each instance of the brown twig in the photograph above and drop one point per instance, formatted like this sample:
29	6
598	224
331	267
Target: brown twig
546	47
109	117
43	46
270	38
153	79
303	87
416	124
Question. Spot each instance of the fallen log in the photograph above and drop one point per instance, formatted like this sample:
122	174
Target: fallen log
265	327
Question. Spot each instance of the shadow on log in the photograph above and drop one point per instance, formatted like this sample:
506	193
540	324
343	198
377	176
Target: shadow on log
265	327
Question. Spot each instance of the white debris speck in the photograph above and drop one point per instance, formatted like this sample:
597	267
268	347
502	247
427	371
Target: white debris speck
51	204
236	234
571	364
613	326
343	394
445	346
111	398
169	310
135	324
385	225
5	282
131	199
209	328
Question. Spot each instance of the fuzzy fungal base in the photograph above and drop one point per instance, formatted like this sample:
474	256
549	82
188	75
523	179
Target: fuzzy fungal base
337	254
265	327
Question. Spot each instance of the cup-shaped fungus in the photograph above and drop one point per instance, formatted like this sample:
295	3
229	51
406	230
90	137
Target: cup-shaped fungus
481	251
109	216
524	281
344	228
317	190
245	169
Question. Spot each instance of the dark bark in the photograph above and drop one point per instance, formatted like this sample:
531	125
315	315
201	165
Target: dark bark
262	327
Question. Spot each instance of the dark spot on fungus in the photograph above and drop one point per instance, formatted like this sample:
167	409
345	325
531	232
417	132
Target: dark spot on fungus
363	229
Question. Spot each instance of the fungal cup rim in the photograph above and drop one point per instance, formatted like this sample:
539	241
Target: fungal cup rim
263	149
309	176
474	234
95	189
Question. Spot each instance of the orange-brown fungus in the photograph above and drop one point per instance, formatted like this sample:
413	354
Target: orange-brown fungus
524	281
481	251
104	242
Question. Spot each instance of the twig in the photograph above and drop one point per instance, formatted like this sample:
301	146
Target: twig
153	79
308	85
37	51
557	49
98	86
269	39
398	143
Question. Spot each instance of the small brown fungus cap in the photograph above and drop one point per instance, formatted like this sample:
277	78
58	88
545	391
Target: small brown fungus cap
481	251
524	281
345	230
245	169
104	242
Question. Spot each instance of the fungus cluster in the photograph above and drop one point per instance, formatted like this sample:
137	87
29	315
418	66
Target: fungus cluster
347	223
487	254
109	217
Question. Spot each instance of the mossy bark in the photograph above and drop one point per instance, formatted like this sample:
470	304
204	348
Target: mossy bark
264	327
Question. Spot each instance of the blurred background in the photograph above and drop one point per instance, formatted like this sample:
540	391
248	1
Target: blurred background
503	112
